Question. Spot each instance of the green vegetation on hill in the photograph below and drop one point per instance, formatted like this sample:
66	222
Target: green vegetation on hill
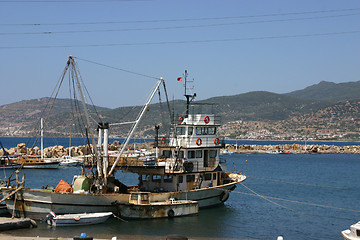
322	106
329	91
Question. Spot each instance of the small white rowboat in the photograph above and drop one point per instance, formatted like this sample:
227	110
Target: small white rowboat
77	219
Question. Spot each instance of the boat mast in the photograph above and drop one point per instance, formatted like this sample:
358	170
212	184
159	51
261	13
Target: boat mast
145	107
87	127
42	138
189	98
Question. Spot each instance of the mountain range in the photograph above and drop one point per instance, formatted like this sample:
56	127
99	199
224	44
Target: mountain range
322	106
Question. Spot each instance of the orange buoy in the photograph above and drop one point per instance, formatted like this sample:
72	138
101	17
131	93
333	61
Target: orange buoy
163	140
181	119
216	141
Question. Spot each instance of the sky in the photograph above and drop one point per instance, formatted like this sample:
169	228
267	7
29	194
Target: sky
228	47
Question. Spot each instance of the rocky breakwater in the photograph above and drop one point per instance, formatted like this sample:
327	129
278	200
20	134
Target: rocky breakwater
55	151
293	148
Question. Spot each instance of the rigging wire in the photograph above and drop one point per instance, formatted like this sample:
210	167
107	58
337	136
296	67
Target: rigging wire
181	19
120	69
186	42
176	27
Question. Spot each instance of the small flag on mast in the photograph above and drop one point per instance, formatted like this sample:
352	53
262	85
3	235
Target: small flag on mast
179	79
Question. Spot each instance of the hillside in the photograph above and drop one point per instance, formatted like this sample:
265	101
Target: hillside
329	91
281	116
262	106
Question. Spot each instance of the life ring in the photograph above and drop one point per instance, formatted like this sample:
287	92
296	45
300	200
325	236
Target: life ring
206	119
216	141
198	141
163	140
181	119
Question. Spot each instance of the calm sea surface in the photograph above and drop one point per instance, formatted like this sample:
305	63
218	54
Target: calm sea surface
331	182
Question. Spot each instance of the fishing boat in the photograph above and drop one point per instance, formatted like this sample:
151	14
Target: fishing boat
187	167
68	161
353	233
77	219
36	161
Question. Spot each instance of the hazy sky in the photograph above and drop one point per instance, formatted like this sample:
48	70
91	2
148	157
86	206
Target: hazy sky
227	46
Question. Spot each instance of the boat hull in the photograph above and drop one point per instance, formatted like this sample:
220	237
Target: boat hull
37	204
159	210
79	219
44	165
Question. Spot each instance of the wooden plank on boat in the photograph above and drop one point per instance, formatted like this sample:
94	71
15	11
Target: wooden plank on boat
16	223
10	194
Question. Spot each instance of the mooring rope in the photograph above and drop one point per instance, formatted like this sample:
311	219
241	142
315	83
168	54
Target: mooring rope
298	183
267	198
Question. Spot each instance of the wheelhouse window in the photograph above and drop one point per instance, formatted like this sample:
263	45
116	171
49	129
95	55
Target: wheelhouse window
180	179
180	131
168	178
156	178
145	178
214	176
201	130
213	153
179	154
198	153
211	130
190	178
190	131
208	176
167	153
191	154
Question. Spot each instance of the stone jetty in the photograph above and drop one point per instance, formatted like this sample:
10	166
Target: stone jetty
293	148
59	151
55	151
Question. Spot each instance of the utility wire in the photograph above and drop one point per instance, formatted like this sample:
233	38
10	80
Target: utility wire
187	41
176	27
180	19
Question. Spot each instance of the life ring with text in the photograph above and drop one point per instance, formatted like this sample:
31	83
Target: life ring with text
163	140
216	141
181	119
206	119
198	141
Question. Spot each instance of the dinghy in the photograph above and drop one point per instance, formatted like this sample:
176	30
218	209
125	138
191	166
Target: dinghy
77	219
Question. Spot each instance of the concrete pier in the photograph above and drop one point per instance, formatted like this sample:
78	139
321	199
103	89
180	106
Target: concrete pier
16	223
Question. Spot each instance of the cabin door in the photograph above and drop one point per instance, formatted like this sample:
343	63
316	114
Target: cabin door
206	158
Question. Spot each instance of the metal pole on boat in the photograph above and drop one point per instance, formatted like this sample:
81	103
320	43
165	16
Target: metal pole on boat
99	144
106	151
42	138
157	141
145	107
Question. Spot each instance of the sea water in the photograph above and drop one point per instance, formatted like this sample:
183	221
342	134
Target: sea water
313	196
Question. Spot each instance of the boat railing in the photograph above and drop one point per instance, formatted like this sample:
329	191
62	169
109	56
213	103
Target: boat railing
200	119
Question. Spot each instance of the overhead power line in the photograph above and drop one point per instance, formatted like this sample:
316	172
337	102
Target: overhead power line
178	27
61	1
180	19
188	41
